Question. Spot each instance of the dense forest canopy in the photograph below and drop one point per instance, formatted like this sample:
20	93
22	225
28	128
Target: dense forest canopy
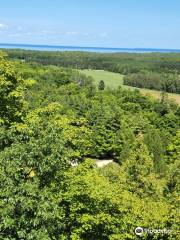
52	116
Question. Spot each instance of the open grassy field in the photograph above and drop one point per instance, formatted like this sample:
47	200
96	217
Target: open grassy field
156	94
113	80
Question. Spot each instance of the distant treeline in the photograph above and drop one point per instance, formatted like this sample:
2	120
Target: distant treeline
123	63
158	71
167	82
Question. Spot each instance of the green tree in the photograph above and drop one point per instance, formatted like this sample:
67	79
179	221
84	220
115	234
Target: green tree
139	171
173	158
12	102
101	85
155	146
32	171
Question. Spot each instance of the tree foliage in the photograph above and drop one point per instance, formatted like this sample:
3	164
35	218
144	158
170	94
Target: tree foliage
11	91
50	186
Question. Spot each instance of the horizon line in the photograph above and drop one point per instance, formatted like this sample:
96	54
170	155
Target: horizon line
88	47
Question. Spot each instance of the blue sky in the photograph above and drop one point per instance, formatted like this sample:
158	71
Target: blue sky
103	23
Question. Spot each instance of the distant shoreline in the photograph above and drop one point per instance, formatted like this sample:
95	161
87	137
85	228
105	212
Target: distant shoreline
39	47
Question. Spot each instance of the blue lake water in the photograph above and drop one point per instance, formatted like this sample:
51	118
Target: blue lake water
85	49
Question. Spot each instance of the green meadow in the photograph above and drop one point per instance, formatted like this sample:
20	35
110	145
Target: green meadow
114	80
111	80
